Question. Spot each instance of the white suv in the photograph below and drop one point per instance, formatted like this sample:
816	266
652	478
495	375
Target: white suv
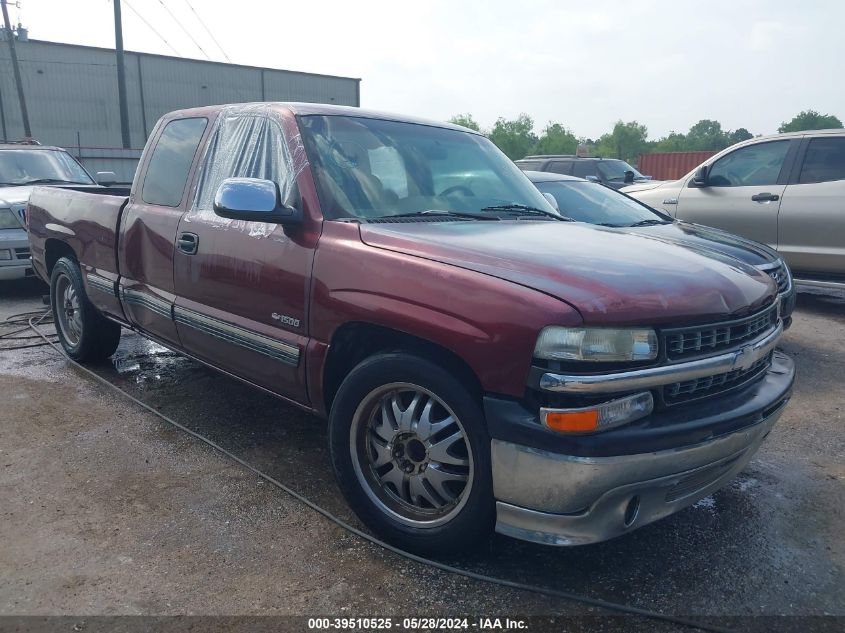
785	190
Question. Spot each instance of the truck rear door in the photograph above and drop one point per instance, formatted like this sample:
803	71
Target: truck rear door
242	287
148	229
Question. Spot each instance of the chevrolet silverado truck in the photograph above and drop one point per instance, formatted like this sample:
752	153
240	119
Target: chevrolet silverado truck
482	362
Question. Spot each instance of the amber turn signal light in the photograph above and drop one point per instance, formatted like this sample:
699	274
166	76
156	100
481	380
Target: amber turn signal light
574	422
600	417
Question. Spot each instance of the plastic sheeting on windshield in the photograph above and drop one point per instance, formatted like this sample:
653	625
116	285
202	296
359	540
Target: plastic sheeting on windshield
248	142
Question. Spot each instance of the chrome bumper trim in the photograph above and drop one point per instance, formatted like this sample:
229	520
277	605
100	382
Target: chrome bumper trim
623	381
592	498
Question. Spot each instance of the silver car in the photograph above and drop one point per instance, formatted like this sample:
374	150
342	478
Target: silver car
785	190
23	166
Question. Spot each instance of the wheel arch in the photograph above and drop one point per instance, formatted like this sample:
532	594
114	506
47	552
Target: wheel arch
54	250
355	341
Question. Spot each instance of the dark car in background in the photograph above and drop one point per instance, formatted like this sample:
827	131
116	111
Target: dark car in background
612	172
586	201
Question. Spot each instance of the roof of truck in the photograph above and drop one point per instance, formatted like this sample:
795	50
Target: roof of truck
304	109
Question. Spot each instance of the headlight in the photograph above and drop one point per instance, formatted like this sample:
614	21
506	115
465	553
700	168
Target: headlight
8	220
5	253
596	344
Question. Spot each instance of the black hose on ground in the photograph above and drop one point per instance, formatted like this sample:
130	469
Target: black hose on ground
15	335
502	582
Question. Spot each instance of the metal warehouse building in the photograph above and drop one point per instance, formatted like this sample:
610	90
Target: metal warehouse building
72	96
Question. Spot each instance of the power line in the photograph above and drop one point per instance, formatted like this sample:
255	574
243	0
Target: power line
210	34
184	30
152	28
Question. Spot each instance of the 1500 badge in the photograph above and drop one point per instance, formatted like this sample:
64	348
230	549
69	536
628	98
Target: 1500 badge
281	318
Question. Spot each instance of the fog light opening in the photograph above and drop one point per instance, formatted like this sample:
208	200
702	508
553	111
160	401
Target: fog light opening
632	511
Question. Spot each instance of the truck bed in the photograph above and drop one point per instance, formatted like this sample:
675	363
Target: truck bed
84	219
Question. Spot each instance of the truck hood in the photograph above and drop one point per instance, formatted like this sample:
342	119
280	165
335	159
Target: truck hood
706	238
646	185
609	276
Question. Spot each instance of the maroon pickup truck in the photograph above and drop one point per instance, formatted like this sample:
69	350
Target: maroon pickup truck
481	360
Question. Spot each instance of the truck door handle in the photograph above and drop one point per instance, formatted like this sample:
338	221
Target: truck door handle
764	197
188	243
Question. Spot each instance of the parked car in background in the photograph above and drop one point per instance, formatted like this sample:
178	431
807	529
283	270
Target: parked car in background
22	166
611	172
586	201
481	360
785	190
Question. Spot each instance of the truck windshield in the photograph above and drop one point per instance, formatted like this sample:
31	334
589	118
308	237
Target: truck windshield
31	166
594	203
372	168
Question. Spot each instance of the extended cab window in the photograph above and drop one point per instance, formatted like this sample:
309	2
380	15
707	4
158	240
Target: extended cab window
243	146
167	171
825	160
752	165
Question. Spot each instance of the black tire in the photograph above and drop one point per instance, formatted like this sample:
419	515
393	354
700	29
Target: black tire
95	337
468	523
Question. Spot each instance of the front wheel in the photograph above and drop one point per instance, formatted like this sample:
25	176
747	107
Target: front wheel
411	454
84	333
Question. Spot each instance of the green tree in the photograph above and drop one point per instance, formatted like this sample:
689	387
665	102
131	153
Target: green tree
739	134
515	136
672	142
627	141
810	120
465	120
556	139
706	135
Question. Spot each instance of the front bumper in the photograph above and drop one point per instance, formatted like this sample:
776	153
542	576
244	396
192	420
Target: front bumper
562	498
16	242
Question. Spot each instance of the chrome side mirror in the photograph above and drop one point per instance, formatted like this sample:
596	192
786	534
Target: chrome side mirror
106	178
253	200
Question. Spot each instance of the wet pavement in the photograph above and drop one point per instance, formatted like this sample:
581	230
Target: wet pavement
104	509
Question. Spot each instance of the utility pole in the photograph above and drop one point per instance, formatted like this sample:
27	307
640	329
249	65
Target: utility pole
121	74
16	68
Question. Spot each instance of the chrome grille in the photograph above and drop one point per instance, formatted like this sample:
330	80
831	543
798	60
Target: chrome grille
682	343
709	385
780	276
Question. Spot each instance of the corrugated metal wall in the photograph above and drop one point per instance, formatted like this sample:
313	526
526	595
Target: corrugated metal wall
71	95
671	165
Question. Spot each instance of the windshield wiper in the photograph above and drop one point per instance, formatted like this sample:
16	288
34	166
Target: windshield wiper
648	222
44	181
526	210
436	212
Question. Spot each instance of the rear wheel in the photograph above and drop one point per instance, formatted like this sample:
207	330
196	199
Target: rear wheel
411	454
84	333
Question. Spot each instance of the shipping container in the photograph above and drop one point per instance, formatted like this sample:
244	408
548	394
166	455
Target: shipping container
671	165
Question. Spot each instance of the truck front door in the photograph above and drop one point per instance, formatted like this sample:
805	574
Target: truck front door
242	287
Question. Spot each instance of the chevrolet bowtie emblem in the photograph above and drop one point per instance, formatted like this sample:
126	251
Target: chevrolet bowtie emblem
744	358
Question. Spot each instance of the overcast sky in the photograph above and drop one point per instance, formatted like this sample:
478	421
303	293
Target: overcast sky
585	64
